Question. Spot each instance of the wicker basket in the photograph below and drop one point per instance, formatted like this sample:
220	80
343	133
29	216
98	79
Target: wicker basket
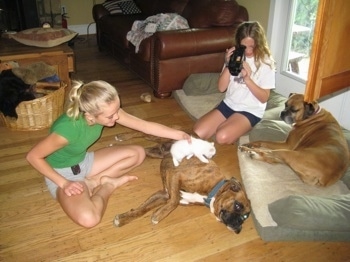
37	114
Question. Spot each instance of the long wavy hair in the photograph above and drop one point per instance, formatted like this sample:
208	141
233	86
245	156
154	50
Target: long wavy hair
88	98
262	52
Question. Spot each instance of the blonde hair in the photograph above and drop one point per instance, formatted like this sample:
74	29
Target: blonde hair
88	98
255	31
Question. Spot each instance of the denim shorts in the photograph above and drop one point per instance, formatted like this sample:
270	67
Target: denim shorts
226	111
85	169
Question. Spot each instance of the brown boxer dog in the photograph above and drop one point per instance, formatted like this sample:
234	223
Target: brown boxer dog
315	147
194	182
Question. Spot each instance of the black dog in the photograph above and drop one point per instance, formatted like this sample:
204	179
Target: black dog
12	92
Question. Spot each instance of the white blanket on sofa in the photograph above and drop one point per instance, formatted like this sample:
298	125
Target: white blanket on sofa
142	29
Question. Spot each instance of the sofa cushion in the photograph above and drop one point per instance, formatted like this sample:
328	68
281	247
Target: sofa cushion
118	26
214	13
223	12
147	7
44	37
312	213
171	6
125	7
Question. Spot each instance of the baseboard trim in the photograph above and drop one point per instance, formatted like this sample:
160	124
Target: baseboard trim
84	29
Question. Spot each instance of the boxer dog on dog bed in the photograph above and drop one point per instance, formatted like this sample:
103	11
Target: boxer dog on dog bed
194	182
315	147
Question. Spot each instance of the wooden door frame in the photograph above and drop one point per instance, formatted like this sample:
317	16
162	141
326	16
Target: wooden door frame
329	47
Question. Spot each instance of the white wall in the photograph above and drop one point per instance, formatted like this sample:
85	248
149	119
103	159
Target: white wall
338	104
85	29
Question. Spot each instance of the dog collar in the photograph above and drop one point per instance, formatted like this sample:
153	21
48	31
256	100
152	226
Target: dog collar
213	192
318	110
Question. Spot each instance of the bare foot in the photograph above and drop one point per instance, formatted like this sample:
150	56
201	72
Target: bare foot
91	183
118	181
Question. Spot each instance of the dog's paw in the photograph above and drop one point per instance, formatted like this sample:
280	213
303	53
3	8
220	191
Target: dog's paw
261	154
245	149
248	146
154	152
249	152
253	154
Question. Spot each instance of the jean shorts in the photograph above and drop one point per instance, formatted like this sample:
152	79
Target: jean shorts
85	169
226	111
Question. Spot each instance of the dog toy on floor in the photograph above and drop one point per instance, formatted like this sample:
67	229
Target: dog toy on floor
146	97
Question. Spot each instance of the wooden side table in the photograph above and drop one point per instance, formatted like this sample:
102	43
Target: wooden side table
61	57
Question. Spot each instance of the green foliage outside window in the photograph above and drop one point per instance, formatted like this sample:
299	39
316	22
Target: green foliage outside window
305	15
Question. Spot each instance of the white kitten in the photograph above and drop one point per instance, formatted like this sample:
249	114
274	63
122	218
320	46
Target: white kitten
200	148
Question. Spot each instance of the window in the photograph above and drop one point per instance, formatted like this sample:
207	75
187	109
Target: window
299	37
329	70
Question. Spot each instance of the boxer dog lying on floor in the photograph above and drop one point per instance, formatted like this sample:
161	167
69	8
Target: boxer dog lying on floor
194	182
315	147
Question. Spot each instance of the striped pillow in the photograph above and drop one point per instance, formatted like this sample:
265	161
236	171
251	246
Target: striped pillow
125	7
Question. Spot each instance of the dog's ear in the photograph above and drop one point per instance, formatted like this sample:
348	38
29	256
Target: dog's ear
292	94
309	109
236	186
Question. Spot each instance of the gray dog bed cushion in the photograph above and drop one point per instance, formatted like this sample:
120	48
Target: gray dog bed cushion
286	209
199	94
201	84
329	213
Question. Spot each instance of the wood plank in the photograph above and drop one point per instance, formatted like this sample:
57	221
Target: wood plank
33	226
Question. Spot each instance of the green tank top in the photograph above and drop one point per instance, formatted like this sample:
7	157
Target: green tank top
80	137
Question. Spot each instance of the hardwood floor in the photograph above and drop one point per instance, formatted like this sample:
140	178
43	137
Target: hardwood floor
34	228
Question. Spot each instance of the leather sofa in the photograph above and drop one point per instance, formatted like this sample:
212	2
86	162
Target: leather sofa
166	58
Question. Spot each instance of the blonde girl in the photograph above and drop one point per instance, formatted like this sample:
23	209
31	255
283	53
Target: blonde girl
83	181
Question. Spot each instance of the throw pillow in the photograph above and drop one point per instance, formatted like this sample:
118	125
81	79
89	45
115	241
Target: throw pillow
201	84
214	13
346	178
275	100
44	37
224	12
270	130
125	7
313	213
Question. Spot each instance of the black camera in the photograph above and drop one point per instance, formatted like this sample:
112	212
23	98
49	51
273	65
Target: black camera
235	64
